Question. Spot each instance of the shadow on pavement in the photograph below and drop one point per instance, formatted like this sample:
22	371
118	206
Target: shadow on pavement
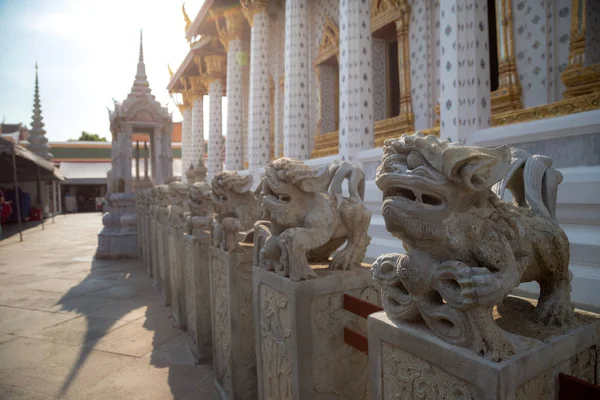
114	291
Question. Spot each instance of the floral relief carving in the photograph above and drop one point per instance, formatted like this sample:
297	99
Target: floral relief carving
247	352
340	372
222	338
275	330
413	378
190	290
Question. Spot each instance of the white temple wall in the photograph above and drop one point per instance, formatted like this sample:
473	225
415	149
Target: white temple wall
541	32
246	94
423	56
592	33
277	73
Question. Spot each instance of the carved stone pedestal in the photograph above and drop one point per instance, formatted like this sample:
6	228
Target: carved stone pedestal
162	238
301	352
153	235
196	277
407	361
118	238
176	259
147	250
234	359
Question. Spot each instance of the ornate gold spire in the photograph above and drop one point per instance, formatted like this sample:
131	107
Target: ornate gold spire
170	71
188	22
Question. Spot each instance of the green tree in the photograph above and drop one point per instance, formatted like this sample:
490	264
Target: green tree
89	137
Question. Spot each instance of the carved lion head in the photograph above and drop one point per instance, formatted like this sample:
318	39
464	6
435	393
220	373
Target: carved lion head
200	199
229	191
424	180
287	187
178	193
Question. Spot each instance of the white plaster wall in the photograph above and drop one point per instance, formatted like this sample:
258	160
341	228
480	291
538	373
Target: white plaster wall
592	32
434	46
422	62
562	40
245	94
541	38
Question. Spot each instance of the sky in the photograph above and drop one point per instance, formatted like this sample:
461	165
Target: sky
87	53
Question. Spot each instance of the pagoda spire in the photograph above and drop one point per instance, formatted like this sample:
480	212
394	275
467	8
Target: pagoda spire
38	143
141	85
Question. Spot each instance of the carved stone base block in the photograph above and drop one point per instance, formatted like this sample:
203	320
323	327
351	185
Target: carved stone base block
163	262
118	238
153	253
407	361
196	277
176	259
116	245
234	359
146	245
301	352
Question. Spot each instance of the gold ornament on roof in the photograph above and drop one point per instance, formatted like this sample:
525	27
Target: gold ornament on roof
170	71
187	19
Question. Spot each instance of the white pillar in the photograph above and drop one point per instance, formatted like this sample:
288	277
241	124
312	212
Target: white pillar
158	159
186	139
197	134
279	106
126	152
166	151
465	77
296	101
215	137
356	80
234	148
259	104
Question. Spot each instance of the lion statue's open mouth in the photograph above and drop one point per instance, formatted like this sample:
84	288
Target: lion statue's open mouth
467	249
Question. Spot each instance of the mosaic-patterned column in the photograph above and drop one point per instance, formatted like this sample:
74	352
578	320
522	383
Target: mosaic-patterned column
126	152
422	65
404	68
231	31
295	110
186	140
215	137
356	81
157	150
197	136
258	105
465	76
279	103
234	146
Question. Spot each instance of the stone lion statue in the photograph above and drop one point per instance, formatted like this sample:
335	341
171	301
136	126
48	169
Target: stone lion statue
162	195
467	248
178	195
200	204
308	218
236	209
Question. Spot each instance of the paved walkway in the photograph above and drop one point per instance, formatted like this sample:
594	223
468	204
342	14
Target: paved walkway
76	328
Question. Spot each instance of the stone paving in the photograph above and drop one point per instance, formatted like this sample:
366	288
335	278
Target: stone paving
72	327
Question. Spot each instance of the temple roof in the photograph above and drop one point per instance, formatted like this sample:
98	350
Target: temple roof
140	106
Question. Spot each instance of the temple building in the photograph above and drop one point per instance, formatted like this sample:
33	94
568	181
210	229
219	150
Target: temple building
327	79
